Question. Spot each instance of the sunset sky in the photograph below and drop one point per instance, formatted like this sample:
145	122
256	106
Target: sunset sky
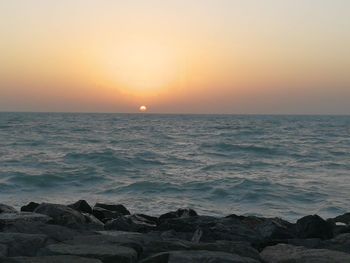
176	56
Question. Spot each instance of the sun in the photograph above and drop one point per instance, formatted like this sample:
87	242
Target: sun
143	108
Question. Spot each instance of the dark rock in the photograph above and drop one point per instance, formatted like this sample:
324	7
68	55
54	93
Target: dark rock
345	218
283	253
211	229
198	256
7	209
93	223
54	232
81	206
314	226
308	243
115	208
61	214
19	244
105	215
339	243
7	219
117	238
3	251
180	213
29	207
134	223
51	259
106	253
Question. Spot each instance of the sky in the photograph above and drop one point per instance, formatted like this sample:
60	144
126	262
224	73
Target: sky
175	56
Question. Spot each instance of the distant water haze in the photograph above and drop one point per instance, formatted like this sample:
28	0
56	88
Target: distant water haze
286	166
176	56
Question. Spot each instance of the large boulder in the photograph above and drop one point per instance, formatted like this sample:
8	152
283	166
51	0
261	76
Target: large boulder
81	206
339	243
198	256
210	229
29	207
7	219
106	253
114	207
105	215
180	213
51	259
54	232
313	226
284	253
19	244
117	238
7	209
61	214
133	223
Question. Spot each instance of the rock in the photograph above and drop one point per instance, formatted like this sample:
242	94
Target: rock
105	215
106	253
198	256
115	208
283	253
180	213
3	251
132	241
308	242
81	206
339	243
314	226
51	259
134	223
29	207
345	218
7	209
7	219
54	232
19	244
93	223
211	229
61	214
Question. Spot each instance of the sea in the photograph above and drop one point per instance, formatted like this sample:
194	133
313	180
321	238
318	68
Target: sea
273	166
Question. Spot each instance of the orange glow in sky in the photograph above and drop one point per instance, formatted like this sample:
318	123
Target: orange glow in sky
210	56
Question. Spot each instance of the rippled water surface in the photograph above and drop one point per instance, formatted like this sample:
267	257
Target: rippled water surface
284	166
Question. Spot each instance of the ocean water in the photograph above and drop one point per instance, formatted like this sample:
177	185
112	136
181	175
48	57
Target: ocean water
287	166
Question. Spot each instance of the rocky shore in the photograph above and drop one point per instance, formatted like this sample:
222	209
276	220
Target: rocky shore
109	233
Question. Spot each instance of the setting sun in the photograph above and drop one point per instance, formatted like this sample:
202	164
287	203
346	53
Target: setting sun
143	108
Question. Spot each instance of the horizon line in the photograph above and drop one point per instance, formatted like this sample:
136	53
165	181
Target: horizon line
183	113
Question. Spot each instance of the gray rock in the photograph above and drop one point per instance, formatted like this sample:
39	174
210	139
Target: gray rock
22	217
114	207
29	207
105	215
198	256
62	215
93	223
81	206
180	213
283	253
3	251
134	223
345	218
106	253
54	232
339	243
19	244
314	227
7	209
51	259
132	241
